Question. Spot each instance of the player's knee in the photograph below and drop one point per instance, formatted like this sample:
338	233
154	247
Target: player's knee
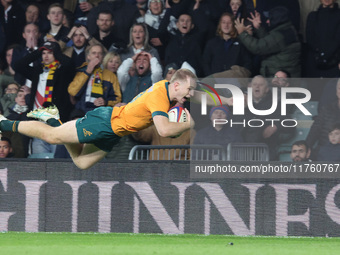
81	164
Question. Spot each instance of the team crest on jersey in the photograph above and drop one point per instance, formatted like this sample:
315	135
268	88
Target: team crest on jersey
87	133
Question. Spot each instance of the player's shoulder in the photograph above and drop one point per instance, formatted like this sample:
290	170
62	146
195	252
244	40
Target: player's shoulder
160	86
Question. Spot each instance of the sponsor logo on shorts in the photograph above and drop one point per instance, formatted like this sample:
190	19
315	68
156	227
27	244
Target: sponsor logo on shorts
87	133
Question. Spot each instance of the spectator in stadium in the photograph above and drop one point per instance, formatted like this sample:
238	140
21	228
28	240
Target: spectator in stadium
237	8
139	41
93	86
12	18
323	41
105	34
268	132
331	151
280	47
218	132
169	71
5	148
80	9
142	6
7	76
300	151
49	83
124	14
225	50
29	43
160	24
112	62
8	99
329	94
81	40
327	117
280	80
171	68
185	46
18	112
147	71
33	15
56	31
180	6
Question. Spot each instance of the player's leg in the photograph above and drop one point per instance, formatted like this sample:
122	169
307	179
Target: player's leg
83	155
63	134
86	156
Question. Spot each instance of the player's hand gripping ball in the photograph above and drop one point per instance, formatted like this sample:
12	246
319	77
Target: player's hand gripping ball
177	114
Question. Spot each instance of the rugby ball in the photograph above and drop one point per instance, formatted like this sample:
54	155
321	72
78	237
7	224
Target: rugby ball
177	114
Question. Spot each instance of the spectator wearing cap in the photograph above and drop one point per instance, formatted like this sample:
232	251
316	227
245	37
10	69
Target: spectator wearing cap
280	47
5	148
169	71
171	68
49	83
216	132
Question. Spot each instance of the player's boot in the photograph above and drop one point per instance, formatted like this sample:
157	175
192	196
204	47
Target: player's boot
45	113
2	117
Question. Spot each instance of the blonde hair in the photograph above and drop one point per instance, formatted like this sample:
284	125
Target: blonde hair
110	55
146	44
182	75
233	33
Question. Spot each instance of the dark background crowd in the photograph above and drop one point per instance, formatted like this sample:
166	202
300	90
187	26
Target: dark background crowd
79	55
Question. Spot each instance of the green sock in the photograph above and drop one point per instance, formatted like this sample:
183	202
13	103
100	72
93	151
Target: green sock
53	122
9	125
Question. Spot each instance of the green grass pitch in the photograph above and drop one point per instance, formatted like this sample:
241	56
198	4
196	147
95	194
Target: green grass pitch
18	243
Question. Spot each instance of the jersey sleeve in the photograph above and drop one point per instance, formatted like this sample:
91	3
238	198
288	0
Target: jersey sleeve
158	103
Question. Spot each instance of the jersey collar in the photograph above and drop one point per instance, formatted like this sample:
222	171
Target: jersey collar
167	90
